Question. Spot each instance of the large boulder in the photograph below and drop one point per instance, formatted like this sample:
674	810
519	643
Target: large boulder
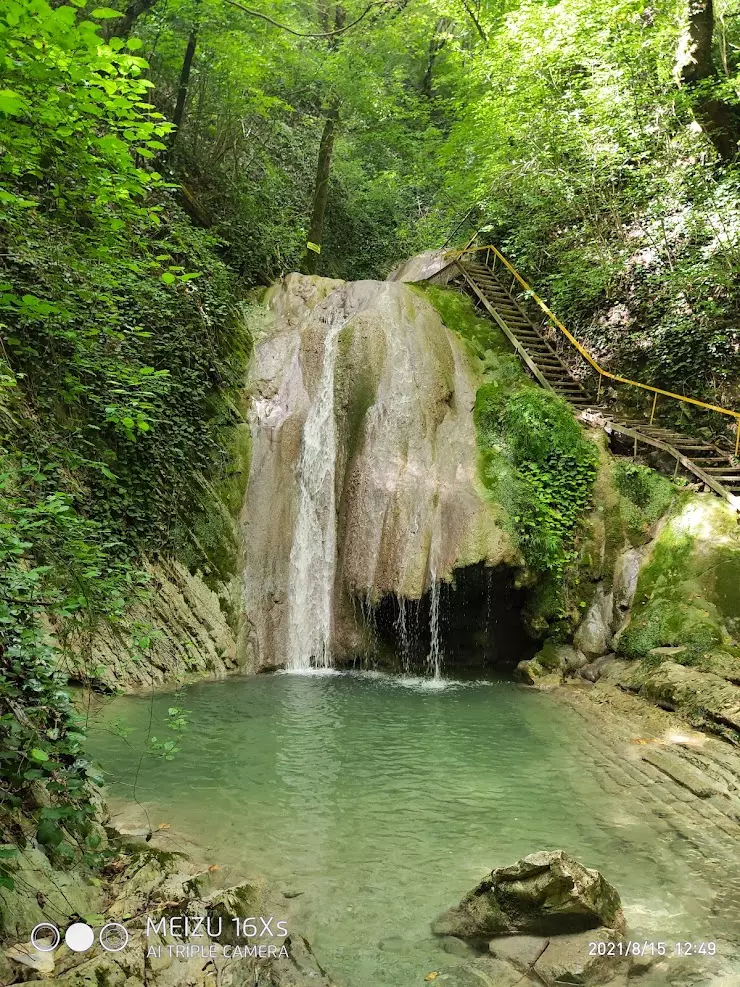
547	893
550	665
688	587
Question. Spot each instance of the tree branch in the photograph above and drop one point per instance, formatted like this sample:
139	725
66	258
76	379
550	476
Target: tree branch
474	19
303	34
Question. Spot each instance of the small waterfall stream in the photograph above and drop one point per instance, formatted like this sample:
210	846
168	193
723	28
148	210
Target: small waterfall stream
314	551
434	658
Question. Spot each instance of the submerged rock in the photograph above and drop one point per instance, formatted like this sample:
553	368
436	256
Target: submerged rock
363	480
590	957
575	958
545	893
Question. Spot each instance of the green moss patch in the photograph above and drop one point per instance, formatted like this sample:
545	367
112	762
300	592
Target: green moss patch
645	496
688	592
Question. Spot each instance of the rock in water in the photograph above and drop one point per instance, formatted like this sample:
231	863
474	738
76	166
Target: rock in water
547	893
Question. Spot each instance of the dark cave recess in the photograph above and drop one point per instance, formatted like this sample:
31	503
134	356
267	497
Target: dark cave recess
480	625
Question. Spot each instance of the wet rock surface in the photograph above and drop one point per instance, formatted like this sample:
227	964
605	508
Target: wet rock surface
408	507
545	893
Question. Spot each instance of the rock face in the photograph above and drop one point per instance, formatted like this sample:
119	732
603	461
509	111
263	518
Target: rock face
682	632
388	393
189	633
155	884
546	893
593	636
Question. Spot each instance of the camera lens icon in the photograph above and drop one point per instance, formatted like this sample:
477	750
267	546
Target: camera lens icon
45	937
113	937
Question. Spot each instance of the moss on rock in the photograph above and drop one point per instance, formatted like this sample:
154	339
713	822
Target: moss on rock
686	595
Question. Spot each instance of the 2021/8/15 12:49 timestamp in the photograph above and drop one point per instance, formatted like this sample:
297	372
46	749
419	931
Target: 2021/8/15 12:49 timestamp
630	947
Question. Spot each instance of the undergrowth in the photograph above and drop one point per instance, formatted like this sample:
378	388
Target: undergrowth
120	352
534	459
645	495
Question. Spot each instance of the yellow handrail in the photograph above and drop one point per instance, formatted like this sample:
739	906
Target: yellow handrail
589	359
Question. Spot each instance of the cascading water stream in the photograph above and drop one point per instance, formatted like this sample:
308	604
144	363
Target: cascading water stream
434	658
314	550
402	633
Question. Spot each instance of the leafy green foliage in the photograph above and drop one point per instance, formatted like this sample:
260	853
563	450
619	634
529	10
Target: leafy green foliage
556	468
615	204
121	344
534	458
56	573
646	495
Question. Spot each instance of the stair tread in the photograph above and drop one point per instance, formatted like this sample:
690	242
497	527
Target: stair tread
702	455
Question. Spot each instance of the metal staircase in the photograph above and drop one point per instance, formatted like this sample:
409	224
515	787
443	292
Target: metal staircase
498	288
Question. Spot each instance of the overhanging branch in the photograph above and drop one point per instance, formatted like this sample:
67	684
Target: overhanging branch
303	34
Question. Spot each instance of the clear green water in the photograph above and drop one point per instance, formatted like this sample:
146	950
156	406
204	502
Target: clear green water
383	801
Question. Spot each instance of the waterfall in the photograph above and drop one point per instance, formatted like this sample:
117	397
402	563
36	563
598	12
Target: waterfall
314	550
434	658
402	633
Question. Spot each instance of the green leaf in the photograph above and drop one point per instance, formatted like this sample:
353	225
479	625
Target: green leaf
38	755
11	104
105	13
168	278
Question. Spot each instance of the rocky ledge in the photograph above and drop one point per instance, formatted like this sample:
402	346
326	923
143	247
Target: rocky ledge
178	917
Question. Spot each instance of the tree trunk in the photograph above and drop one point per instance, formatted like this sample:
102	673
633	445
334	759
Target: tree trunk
122	27
699	64
697	70
182	90
436	44
310	263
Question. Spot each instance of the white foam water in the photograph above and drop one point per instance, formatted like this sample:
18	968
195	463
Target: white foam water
314	550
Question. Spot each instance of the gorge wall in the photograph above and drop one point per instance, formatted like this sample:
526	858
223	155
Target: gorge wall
362	411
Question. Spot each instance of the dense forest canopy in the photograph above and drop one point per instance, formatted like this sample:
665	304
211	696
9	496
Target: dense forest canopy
162	159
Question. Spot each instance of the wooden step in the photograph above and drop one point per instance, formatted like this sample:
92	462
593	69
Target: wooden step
687	446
